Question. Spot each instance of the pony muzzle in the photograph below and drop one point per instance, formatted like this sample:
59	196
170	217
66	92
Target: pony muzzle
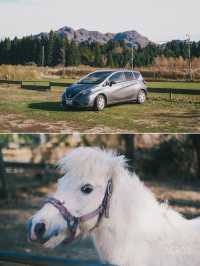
37	231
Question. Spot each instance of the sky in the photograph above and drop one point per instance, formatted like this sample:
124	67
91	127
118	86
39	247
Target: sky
159	20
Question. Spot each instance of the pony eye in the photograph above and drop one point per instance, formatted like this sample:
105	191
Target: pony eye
87	189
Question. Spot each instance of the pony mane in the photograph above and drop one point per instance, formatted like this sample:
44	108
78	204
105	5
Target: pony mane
115	159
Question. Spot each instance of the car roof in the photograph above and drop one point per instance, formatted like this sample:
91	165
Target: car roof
116	70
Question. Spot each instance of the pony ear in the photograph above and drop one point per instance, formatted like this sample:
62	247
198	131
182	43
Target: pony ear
118	166
62	164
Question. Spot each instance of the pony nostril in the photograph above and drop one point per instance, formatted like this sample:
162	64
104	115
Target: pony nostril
40	229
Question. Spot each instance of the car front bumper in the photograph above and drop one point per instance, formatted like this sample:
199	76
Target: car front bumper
78	101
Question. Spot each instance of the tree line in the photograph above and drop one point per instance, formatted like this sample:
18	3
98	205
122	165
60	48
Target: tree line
52	50
178	156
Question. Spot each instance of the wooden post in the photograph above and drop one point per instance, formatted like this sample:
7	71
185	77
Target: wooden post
171	95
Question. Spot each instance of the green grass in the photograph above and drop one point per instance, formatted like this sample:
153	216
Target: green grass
174	85
33	111
46	82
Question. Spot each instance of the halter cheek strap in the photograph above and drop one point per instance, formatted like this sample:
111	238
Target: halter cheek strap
73	222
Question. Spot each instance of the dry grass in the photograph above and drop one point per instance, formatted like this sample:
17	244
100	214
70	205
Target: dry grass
19	72
172	68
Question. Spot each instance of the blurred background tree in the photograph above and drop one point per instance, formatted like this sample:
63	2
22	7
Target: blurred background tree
152	156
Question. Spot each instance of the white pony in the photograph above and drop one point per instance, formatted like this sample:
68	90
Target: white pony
129	227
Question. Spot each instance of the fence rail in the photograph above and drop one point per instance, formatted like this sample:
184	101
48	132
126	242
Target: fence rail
172	92
175	91
30	85
170	80
36	87
59	84
31	165
24	259
10	82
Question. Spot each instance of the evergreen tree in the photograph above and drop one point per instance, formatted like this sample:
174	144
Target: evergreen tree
113	54
97	58
73	55
50	44
57	55
110	61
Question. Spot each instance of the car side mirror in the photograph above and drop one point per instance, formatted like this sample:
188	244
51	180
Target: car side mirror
111	83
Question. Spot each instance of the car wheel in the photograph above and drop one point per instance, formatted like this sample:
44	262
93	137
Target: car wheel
64	106
100	103
141	97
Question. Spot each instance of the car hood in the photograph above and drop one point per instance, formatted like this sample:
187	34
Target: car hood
74	89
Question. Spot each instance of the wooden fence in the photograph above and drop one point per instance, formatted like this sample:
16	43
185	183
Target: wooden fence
45	87
43	170
59	84
28	259
35	85
11	82
172	92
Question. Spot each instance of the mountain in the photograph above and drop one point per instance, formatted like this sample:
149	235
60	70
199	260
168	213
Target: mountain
81	35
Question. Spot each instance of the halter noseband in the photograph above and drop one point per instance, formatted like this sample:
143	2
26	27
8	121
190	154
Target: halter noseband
73	222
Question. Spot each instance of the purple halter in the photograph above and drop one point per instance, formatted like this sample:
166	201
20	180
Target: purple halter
73	221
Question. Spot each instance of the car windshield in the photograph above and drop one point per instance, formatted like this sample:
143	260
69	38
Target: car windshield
95	78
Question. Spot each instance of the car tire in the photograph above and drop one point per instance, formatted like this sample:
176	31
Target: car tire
100	103
141	97
64	107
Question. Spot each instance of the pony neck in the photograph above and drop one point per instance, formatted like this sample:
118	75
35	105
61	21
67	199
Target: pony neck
130	205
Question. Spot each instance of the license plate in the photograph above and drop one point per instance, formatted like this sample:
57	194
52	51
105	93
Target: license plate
69	102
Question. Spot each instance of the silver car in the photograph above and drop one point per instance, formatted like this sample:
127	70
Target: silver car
106	87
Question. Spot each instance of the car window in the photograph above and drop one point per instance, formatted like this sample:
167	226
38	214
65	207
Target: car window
138	76
95	78
129	76
117	78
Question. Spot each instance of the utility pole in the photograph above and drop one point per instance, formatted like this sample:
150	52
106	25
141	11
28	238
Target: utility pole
189	56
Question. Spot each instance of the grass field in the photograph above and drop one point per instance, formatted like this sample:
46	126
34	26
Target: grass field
33	111
174	85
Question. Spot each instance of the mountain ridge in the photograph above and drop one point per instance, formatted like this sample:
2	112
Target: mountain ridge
130	37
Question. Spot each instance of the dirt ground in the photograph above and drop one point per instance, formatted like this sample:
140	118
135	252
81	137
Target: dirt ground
14	214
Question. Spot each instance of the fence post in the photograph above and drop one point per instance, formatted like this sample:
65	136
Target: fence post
171	95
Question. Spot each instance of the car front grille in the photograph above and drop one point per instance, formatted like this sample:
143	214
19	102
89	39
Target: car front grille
68	95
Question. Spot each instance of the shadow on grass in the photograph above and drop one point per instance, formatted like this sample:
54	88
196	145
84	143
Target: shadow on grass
54	106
